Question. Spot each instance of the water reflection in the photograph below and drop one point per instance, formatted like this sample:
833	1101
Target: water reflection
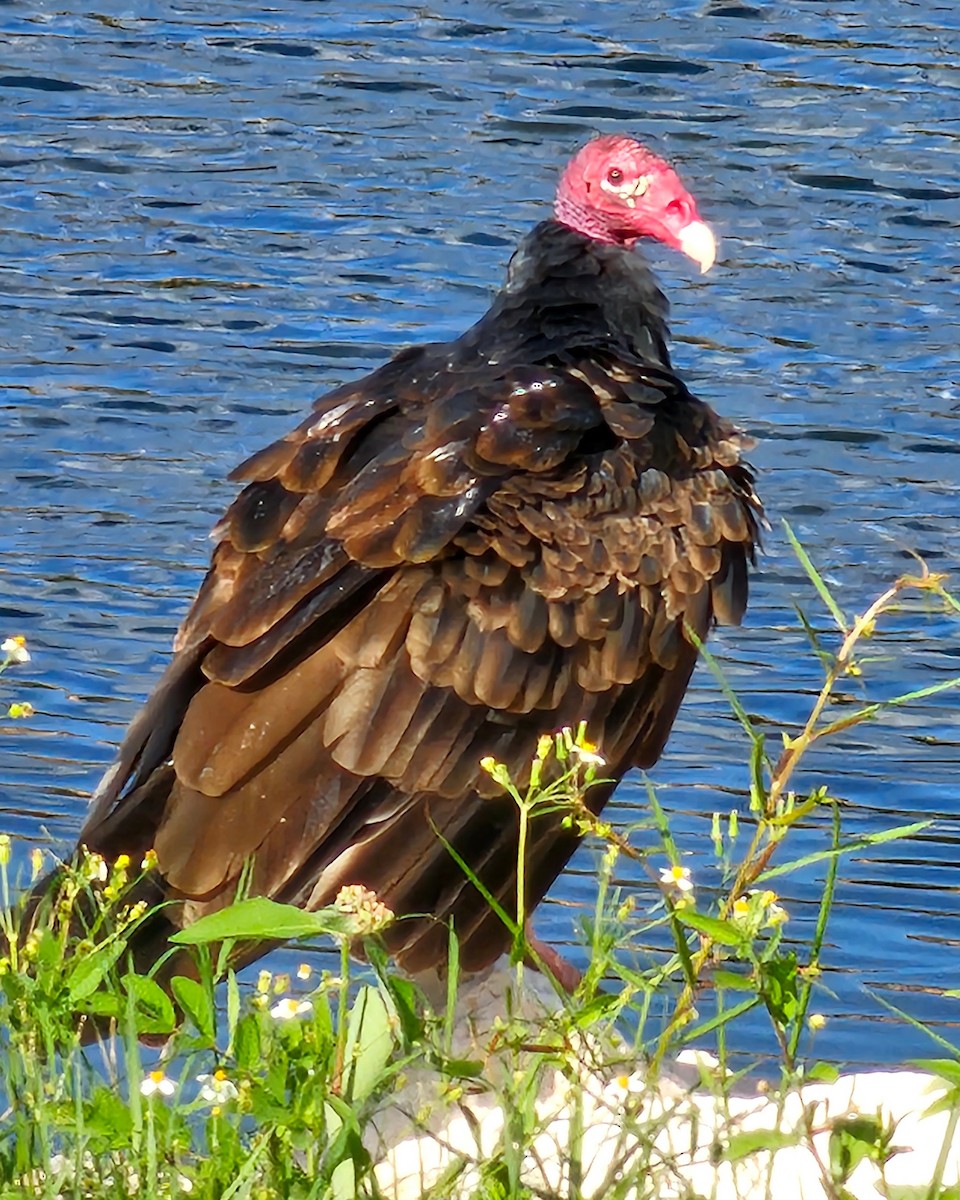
209	215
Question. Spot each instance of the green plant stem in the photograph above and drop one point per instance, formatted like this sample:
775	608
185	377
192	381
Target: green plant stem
343	998
936	1183
767	837
813	961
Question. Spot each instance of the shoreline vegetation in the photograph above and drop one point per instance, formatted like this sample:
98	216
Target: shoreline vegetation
364	1083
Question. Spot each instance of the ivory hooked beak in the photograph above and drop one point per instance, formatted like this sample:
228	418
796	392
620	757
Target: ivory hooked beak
697	242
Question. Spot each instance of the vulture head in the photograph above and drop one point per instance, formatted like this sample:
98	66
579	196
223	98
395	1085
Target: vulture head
617	191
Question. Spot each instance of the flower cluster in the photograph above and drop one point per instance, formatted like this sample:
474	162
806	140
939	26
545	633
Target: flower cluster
758	910
368	914
289	1008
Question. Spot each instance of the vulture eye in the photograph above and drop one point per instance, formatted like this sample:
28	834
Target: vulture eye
614	175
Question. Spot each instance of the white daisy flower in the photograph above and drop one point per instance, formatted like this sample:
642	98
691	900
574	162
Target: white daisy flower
156	1082
677	879
217	1088
289	1007
15	648
587	752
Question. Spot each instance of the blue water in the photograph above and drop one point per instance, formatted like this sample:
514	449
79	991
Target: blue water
210	214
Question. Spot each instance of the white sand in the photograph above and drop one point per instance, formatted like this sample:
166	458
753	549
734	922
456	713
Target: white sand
669	1134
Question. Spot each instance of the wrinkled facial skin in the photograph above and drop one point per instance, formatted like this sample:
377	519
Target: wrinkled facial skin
618	191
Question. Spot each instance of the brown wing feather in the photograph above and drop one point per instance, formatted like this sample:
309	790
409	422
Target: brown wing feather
428	570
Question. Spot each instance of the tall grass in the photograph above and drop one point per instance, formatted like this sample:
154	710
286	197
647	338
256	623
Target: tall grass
296	1087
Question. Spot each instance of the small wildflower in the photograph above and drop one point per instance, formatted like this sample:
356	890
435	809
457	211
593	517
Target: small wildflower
304	971
816	1021
544	746
121	862
676	879
95	868
777	914
216	1088
369	913
149	861
264	980
4	849
741	908
497	771
587	753
289	1007
36	863
132	912
774	913
156	1082
281	984
21	709
625	911
15	648
620	1089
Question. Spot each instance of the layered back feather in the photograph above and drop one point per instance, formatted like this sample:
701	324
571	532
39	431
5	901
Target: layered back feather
480	542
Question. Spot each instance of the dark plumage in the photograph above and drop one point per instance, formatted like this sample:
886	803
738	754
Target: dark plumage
480	542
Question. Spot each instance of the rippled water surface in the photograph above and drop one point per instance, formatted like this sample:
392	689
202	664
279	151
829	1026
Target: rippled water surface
209	214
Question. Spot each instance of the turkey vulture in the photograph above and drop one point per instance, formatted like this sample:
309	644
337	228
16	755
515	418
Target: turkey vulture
480	542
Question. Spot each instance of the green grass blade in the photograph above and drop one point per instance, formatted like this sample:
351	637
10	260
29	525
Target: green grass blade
729	694
817	580
861	843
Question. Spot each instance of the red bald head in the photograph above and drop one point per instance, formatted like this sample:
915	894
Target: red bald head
617	191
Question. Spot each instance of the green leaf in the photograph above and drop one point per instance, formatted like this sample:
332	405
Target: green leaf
744	1145
233	1007
778	984
459	1068
948	1102
817	580
247	1043
724	932
822	1072
733	982
345	1157
261	919
88	973
585	1015
861	843
694	1032
946	1068
758	785
195	1001
103	1004
369	1045
154	1008
108	1115
403	994
729	694
852	1139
